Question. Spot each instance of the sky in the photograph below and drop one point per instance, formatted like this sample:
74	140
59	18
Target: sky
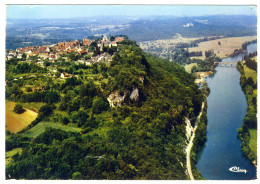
71	11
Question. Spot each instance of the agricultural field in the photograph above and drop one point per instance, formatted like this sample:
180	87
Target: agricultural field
40	128
222	49
17	122
189	67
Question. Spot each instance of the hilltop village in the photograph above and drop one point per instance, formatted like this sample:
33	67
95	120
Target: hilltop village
87	117
88	51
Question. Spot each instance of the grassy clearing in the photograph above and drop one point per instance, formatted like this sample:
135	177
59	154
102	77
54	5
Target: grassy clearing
226	47
250	73
9	154
253	140
40	127
57	111
33	105
16	122
189	66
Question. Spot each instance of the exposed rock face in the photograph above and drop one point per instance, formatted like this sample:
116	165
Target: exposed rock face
116	99
189	128
102	58
134	95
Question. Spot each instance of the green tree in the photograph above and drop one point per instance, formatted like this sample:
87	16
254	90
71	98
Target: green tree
28	89
65	120
249	90
18	108
72	56
46	63
193	69
99	105
250	120
250	81
45	110
51	97
77	176
112	38
24	56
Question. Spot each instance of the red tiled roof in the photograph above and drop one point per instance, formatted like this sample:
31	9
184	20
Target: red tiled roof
119	39
61	43
83	52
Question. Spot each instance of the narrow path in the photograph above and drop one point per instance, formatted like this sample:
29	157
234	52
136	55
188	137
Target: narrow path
188	149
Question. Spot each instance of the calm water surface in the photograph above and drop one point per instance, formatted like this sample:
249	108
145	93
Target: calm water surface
226	111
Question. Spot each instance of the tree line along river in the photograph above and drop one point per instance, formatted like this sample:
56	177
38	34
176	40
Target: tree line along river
226	111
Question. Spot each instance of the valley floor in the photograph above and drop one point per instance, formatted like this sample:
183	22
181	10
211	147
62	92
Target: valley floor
222	47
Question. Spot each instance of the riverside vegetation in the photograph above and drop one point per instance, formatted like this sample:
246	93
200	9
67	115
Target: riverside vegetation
247	132
141	138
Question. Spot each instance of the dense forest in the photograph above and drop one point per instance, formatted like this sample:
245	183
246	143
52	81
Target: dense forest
141	138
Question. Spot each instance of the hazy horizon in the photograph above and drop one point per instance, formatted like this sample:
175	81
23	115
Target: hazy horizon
81	11
137	16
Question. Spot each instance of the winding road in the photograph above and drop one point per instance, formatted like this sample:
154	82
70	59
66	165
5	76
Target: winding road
188	149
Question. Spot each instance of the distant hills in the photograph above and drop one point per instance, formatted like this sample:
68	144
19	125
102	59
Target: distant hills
23	32
167	27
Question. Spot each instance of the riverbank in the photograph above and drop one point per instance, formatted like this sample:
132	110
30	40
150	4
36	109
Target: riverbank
196	136
191	144
248	130
200	76
226	108
225	115
242	51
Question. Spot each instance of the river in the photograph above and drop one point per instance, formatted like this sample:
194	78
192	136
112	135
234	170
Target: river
226	110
